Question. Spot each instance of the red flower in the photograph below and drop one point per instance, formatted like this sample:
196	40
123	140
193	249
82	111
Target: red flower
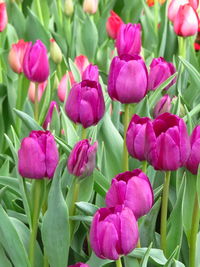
113	24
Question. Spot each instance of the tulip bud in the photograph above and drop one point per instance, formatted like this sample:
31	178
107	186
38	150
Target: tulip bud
133	190
113	25
81	62
193	161
90	6
31	91
136	137
49	115
69	7
167	142
127	80
82	159
113	232
80	264
16	56
3	16
36	64
162	106
174	7
129	39
186	21
38	155
194	4
160	70
55	52
85	103
63	85
91	73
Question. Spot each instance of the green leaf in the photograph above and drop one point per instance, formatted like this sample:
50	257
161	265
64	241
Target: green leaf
97	262
101	184
17	19
75	71
86	208
146	257
3	258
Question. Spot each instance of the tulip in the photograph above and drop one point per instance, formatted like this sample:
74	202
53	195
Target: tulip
167	142
62	87
79	264
136	137
49	115
3	16
81	62
113	25
31	91
151	2
55	52
113	232
36	65
186	21
127	80
82	159
69	7
16	56
194	4
85	103
193	161
91	73
90	6
160	70
162	106
133	190
38	155
174	7
129	39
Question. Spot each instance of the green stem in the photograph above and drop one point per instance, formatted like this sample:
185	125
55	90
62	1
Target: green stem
60	13
36	103
59	71
182	46
45	260
118	263
163	230
193	236
84	133
144	166
125	151
19	104
39	10
156	16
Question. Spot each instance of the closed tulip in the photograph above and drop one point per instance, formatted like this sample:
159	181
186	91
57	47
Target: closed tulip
16	56
186	21
36	64
81	62
55	52
53	105
85	103
62	87
69	7
79	264
38	155
133	190
167	143
82	159
194	4
160	70
3	16
129	39
193	161
127	80
90	6
113	232
91	73
162	106
174	7
31	91
136	137
113	25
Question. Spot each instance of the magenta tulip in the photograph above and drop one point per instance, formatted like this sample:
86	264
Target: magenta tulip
85	103
3	16
53	105
136	137
79	264
114	232
128	78
82	159
162	106
133	190
36	64
38	155
91	73
129	39
167	142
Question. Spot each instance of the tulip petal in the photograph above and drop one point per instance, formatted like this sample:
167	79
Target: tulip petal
52	156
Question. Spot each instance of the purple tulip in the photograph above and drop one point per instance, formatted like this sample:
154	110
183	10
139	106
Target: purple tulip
194	159
167	143
113	232
91	73
136	137
79	264
127	80
82	159
38	155
160	70
129	39
162	106
85	103
133	190
36	64
49	115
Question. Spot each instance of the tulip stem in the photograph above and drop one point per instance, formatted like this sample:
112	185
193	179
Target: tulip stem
193	236
125	151
182	46
156	16
36	103
144	166
118	263
19	103
39	10
84	133
60	14
163	230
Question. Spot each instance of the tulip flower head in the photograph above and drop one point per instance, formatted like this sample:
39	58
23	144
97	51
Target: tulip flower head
3	16
174	7
81	62
113	25
162	106
55	52
79	264
31	91
91	73
90	6
49	115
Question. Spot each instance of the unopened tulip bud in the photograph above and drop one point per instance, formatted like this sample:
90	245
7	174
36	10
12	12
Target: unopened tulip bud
81	62
31	91
91	73
162	106
69	7
55	52
53	105
174	7
194	4
63	85
113	25
90	6
3	16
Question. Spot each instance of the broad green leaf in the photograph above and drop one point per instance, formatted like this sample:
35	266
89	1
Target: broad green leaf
86	208
4	259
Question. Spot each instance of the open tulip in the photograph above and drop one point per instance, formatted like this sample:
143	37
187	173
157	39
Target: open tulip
113	232
53	105
79	264
31	91
38	155
162	106
3	16
133	190
127	80
85	103
113	25
91	73
36	64
167	143
82	159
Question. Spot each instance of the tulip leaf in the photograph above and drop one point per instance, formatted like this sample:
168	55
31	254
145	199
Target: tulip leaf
44	103
95	261
75	71
146	256
87	208
101	184
3	258
156	255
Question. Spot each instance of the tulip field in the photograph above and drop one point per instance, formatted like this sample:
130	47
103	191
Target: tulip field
99	133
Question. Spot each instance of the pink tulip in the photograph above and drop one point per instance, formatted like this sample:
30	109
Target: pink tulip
3	16
174	7
81	62
62	87
31	91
